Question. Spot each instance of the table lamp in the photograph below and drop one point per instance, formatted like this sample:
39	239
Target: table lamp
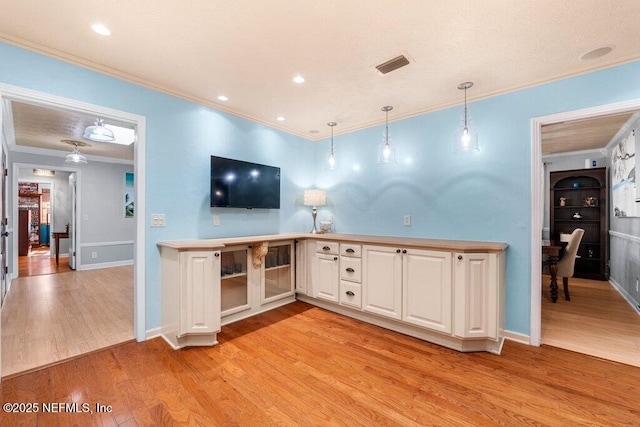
315	198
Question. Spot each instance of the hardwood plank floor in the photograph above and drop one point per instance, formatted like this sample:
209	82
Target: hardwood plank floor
40	262
49	318
597	321
301	365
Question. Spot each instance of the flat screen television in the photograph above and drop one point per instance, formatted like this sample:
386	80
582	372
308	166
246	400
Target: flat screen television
239	184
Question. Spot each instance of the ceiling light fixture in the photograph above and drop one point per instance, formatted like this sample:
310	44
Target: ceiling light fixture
101	29
280	118
298	79
386	151
223	98
597	53
332	155
44	172
75	156
97	132
465	139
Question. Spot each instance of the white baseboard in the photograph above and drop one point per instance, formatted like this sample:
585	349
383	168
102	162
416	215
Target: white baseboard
517	337
96	266
628	298
153	333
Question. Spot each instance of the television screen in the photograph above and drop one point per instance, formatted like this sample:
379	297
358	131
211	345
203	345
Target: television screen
239	184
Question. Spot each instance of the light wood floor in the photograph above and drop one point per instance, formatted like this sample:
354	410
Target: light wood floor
50	318
299	365
597	321
38	262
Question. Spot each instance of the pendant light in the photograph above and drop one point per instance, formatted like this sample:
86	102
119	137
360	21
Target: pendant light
75	156
332	155
465	138
386	151
99	133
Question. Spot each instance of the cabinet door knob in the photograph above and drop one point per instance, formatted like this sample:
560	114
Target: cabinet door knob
325	248
217	254
350	293
350	251
350	270
398	251
460	257
250	246
404	251
335	258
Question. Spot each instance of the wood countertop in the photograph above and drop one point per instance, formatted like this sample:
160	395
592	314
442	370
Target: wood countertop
438	244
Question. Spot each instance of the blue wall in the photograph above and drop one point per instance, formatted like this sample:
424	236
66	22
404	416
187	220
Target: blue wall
485	196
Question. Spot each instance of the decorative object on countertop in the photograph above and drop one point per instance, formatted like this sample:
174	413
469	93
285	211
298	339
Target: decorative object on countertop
465	139
325	226
260	250
315	198
386	151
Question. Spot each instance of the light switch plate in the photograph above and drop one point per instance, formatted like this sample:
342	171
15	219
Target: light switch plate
157	220
216	220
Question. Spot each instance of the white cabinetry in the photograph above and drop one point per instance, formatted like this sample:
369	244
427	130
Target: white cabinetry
426	289
382	281
350	275
477	295
326	272
190	297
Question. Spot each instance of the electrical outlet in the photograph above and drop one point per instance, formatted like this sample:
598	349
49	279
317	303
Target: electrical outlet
637	286
216	220
406	221
157	220
94	255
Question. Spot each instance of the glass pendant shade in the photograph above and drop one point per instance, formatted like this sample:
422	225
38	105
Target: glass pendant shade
333	163
75	157
386	151
98	132
465	138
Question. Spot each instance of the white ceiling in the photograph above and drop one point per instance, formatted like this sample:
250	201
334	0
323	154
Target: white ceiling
250	50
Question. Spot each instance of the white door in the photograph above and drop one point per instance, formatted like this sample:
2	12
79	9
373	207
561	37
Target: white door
427	287
72	225
382	281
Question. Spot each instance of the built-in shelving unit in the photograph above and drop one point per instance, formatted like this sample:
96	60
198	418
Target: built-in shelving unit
578	199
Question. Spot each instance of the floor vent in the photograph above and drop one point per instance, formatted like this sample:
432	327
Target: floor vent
392	64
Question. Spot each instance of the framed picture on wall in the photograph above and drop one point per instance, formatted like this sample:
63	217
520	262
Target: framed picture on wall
623	177
129	195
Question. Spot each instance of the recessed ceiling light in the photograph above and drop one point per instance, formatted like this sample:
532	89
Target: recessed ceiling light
223	98
101	29
298	79
597	53
280	119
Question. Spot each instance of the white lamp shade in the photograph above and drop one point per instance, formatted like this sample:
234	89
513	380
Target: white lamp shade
315	197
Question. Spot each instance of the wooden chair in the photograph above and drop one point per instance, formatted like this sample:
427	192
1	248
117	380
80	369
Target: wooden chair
568	261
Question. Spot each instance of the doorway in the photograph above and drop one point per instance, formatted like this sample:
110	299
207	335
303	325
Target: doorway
538	198
9	94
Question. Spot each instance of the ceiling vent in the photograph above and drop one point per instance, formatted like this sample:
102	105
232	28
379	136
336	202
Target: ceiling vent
392	64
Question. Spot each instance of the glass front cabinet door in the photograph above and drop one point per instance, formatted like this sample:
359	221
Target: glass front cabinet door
234	281
278	275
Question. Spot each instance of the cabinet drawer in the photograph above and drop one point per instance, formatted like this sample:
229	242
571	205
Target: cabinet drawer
351	294
347	249
324	247
351	269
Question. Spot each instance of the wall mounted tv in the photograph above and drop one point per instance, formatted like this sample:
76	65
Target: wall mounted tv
239	184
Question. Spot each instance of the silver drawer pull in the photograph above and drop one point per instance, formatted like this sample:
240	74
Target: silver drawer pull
350	251
350	293
326	248
350	270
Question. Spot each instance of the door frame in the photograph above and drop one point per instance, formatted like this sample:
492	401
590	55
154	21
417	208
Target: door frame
16	93
537	196
14	205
